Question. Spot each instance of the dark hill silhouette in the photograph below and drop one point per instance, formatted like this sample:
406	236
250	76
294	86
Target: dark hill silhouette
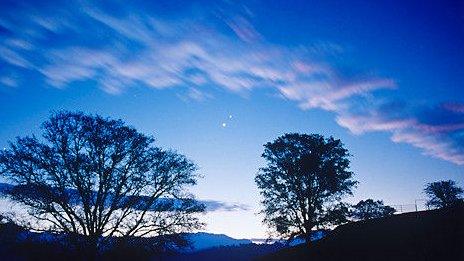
234	252
203	240
425	235
16	243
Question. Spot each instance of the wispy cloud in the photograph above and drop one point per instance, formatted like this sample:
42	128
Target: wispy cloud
8	81
244	29
215	205
128	45
440	138
13	57
328	93
210	204
454	107
193	94
140	48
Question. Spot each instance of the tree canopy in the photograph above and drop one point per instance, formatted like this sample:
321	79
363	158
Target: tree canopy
443	193
303	182
98	177
369	209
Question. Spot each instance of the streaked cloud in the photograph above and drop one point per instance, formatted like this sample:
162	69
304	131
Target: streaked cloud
328	93
244	29
193	94
454	107
127	45
210	204
440	138
8	81
215	205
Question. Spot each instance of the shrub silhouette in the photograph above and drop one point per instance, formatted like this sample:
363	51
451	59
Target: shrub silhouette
369	209
443	194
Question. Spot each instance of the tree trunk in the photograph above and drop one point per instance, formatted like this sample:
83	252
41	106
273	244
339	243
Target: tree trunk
307	238
88	248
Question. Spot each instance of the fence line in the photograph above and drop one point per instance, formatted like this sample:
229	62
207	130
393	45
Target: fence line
418	205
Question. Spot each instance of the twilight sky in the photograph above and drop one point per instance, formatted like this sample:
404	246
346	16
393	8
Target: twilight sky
217	79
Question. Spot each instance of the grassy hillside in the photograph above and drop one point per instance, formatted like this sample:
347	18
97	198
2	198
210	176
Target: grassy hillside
425	235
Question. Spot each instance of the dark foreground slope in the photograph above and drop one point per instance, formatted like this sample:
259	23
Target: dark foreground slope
16	243
425	235
236	253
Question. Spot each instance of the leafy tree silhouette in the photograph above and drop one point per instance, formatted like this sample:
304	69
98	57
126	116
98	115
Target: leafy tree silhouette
99	178
443	193
303	183
369	209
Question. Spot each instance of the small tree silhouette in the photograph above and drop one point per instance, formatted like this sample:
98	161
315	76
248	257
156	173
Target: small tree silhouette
98	177
369	209
443	193
303	183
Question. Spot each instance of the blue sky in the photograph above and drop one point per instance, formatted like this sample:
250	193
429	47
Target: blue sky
216	80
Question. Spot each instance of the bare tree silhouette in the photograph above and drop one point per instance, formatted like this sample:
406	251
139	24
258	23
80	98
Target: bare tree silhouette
99	178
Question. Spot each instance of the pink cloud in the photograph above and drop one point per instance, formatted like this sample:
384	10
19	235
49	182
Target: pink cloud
363	124
187	53
440	128
454	107
244	29
425	137
431	146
